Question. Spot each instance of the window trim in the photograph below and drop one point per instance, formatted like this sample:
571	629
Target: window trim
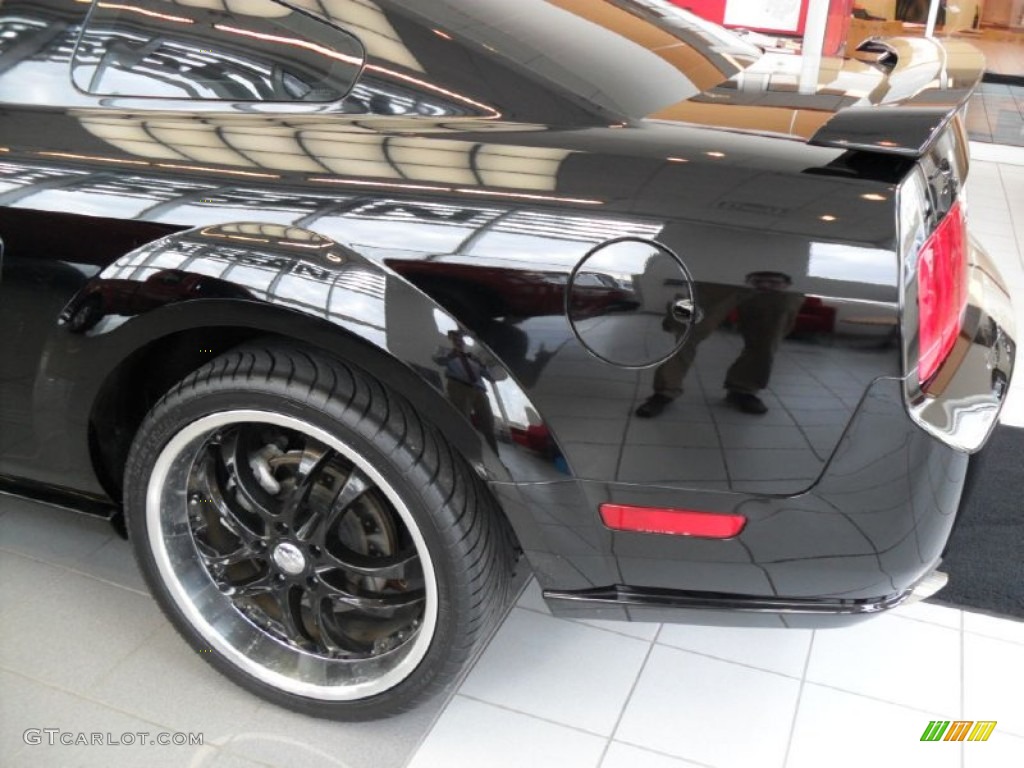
174	103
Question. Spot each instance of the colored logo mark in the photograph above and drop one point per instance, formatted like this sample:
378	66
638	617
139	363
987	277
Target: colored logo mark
959	730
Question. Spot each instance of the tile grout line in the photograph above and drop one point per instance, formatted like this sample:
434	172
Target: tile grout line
138	648
914	619
799	699
1017	236
702	654
453	691
90	700
869	697
86	554
927	621
69	569
963	641
530	715
990	635
731	661
658	752
583	623
629	697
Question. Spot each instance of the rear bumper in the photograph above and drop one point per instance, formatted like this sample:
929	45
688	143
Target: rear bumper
866	537
732	610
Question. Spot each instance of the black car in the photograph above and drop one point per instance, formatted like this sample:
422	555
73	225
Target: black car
346	309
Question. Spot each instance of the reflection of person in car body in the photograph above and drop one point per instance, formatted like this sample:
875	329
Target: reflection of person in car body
464	376
766	312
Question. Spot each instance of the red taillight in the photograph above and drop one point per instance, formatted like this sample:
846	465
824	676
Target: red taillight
941	292
679	522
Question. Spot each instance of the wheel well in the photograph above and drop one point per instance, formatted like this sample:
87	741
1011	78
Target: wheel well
143	377
138	383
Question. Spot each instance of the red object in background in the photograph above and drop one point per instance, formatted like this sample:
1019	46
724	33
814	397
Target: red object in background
712	10
839	14
838	19
814	317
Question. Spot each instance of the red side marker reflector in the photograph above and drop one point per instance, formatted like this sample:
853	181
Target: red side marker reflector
677	522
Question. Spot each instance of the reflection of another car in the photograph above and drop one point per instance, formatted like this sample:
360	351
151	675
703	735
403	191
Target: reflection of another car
130	297
815	318
488	292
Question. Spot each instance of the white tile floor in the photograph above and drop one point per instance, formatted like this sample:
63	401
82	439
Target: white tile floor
735	697
83	647
93	653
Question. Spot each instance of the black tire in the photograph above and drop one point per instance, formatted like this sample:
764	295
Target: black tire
438	508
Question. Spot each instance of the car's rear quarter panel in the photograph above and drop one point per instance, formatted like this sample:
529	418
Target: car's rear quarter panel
728	204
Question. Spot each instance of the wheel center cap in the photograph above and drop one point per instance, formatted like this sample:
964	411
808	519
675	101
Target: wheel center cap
289	558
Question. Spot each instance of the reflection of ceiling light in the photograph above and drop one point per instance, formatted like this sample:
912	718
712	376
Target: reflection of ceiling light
144	12
677	159
208	232
524	196
495	114
874	197
464	190
389	185
322	50
293	244
335	258
71	156
247	239
445	35
828	217
887	143
715	154
177	167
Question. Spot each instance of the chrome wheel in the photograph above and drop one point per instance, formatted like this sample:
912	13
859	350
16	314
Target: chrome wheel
291	555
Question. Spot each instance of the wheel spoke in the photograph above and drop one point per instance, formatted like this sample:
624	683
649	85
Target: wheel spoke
310	468
383	606
261	585
321	521
231	515
402	566
323	626
356	484
290	609
233	460
216	559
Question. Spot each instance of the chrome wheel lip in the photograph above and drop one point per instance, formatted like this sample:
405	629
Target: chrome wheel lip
221	625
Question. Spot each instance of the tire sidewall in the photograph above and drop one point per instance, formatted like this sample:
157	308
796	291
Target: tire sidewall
365	433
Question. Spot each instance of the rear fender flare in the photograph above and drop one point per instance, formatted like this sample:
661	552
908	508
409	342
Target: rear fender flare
293	283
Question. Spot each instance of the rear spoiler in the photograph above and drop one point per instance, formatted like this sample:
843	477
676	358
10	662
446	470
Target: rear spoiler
929	82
